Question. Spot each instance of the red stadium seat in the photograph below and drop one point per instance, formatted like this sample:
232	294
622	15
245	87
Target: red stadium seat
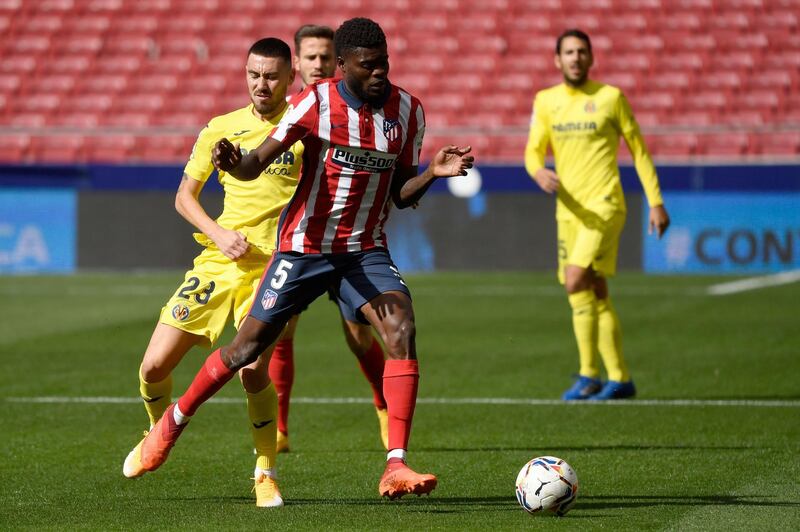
91	103
41	23
125	120
623	80
780	143
30	44
82	44
130	44
773	79
102	83
9	83
730	20
13	148
135	24
653	101
57	149
674	145
31	120
90	24
721	81
680	20
83	120
708	100
116	64
623	62
725	144
734	60
18	63
109	149
160	148
77	63
681	62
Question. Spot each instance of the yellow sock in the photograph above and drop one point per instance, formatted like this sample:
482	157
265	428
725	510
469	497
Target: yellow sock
584	323
156	396
609	341
262	407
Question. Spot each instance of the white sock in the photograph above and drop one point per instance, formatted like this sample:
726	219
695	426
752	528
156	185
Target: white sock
178	416
396	453
268	472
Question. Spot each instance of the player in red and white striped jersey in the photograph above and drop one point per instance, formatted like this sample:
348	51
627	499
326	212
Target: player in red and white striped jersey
362	138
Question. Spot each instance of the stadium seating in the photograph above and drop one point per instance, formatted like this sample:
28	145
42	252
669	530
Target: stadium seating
705	78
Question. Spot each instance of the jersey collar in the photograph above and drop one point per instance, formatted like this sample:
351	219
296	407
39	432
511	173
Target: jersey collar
353	101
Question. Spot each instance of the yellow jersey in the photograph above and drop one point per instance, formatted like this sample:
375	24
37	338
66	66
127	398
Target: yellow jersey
583	125
251	207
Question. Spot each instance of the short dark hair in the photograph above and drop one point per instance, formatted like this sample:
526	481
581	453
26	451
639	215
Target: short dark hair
311	30
573	32
271	47
358	33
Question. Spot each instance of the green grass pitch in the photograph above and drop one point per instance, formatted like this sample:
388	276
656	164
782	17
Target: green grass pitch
711	443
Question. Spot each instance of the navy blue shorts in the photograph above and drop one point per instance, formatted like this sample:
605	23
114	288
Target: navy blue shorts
293	280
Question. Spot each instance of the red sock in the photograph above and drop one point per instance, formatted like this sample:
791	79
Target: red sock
372	366
281	373
400	381
208	381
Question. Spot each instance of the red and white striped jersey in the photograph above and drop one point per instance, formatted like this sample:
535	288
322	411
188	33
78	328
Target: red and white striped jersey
342	200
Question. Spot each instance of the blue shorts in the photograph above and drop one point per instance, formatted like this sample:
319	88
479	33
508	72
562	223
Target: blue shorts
293	280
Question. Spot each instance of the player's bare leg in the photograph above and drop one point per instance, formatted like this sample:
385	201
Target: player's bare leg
368	351
392	316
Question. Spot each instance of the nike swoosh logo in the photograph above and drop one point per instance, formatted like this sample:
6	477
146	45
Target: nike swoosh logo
262	424
152	399
242	132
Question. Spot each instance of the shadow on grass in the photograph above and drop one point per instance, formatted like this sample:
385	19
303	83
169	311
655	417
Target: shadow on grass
603	502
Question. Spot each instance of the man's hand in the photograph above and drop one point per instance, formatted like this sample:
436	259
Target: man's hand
658	221
232	244
451	161
547	180
226	156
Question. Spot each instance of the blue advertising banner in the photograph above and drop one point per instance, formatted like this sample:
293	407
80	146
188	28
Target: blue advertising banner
37	230
726	233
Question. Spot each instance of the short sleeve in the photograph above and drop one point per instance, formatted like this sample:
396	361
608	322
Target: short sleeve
300	119
411	150
199	166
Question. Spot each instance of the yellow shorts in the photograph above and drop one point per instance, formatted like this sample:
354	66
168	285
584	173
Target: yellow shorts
213	291
583	246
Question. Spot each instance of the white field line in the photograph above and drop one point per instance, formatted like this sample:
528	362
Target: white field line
757	403
553	290
754	283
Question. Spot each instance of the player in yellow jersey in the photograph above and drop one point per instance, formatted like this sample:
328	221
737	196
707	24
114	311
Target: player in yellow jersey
314	60
582	121
227	272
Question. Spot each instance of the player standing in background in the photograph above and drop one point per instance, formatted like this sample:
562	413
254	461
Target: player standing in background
362	137
238	244
314	60
582	120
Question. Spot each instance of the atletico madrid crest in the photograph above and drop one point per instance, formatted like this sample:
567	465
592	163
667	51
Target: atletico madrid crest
269	299
391	129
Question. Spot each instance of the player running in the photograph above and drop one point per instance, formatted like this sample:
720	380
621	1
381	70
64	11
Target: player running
314	60
582	120
238	244
362	137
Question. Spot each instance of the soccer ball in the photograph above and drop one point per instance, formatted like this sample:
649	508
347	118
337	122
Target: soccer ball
547	483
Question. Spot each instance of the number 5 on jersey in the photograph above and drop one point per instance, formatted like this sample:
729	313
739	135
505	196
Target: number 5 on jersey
281	274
